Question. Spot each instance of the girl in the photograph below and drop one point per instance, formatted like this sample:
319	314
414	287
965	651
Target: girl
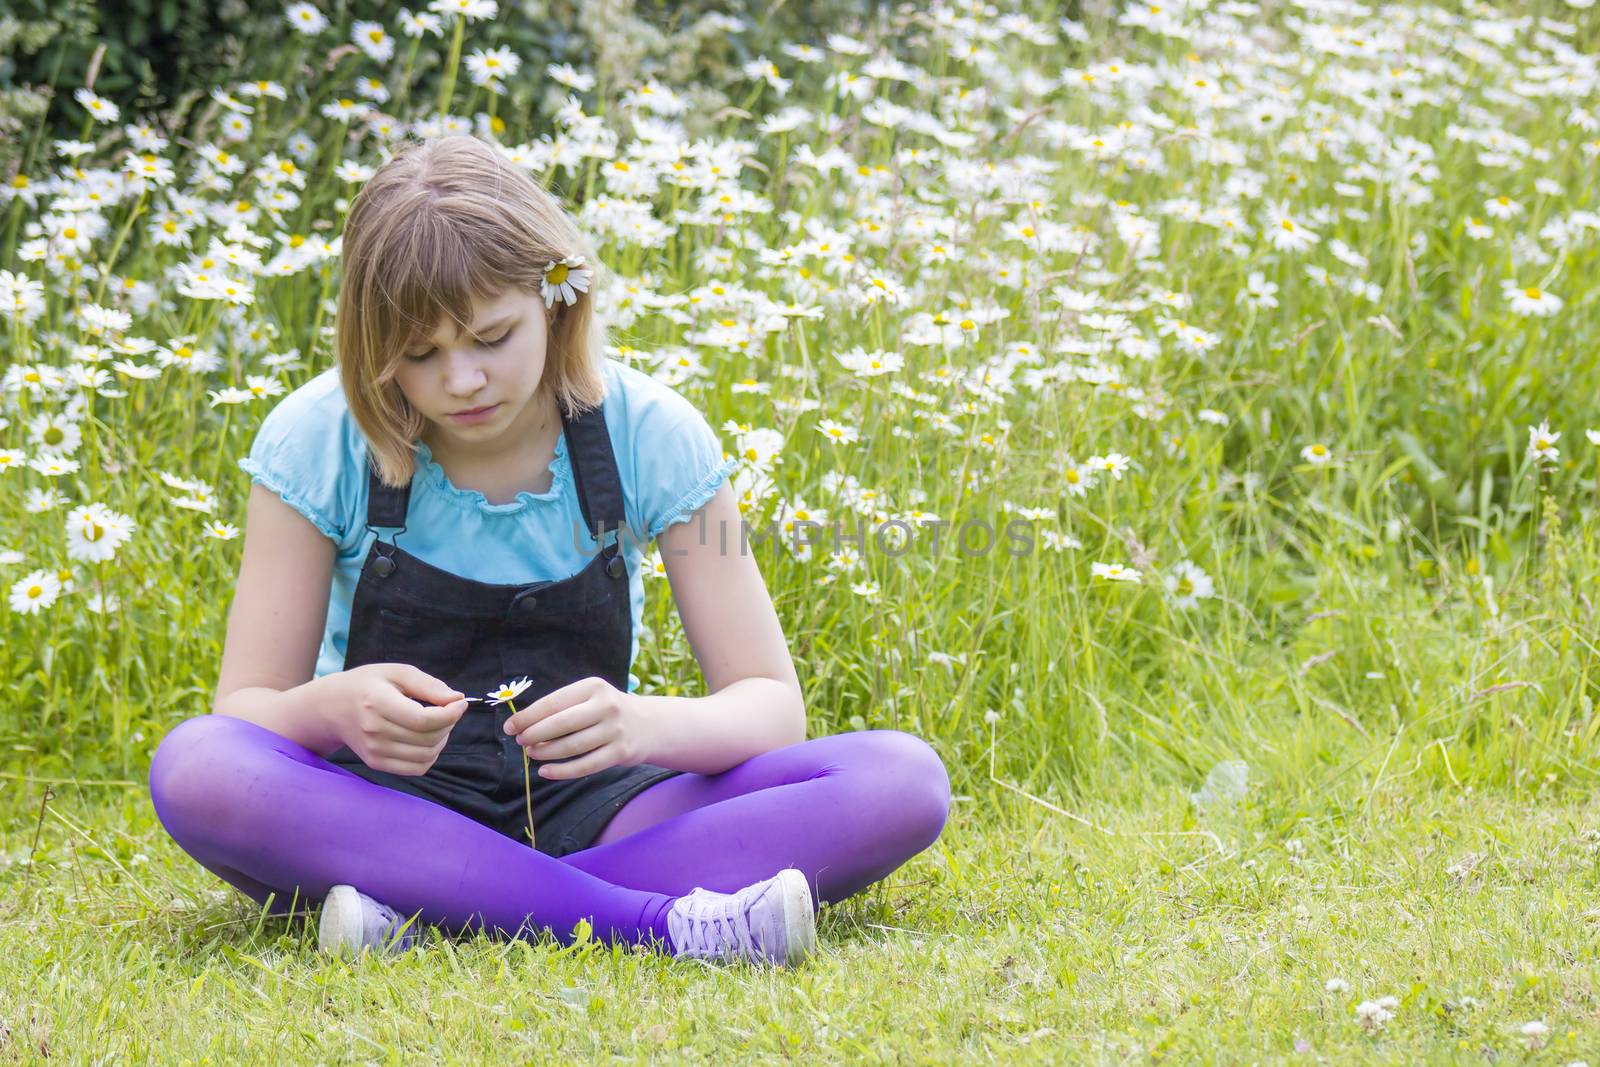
464	505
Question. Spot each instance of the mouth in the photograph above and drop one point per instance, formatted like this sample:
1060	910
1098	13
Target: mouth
474	412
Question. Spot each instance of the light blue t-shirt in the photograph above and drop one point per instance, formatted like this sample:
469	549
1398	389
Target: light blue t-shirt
310	452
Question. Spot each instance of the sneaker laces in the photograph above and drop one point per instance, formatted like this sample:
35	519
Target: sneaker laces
384	925
706	923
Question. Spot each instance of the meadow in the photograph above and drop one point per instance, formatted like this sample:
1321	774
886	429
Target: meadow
1182	416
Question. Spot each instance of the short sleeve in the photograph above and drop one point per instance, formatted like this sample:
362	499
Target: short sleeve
678	461
300	454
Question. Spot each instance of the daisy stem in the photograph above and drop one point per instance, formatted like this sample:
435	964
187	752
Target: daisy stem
116	245
404	95
447	88
527	782
527	792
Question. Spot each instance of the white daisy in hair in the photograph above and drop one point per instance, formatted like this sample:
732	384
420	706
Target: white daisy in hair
564	279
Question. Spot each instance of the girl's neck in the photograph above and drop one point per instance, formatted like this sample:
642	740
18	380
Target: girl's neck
510	453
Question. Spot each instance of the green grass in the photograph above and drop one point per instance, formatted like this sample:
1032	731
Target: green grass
1022	936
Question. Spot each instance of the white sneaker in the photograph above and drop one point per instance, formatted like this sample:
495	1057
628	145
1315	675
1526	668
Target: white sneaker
771	921
353	921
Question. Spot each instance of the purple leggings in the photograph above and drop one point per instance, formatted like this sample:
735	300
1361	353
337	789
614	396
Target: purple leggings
269	815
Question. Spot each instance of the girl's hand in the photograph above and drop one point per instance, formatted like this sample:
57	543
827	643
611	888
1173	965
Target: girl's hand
591	719
395	717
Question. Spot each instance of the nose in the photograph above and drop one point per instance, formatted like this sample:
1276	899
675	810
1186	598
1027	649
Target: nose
463	377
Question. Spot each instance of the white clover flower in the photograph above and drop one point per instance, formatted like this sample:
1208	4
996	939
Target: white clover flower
1373	1014
1534	1033
1336	985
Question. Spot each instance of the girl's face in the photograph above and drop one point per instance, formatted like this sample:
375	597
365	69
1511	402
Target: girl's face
497	365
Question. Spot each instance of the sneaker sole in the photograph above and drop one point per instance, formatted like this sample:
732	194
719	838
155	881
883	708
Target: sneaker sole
339	928
799	920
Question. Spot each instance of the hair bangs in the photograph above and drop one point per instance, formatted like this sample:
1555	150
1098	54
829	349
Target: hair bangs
429	280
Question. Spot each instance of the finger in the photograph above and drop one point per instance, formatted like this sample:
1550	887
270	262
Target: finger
396	750
598	760
424	718
552	702
574	744
560	724
420	685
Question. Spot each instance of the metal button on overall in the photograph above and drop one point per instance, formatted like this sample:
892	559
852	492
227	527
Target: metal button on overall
406	610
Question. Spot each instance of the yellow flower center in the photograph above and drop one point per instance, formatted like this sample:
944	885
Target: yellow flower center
1532	294
556	274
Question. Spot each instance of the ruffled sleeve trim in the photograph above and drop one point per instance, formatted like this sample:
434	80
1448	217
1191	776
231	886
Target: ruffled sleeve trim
696	498
290	497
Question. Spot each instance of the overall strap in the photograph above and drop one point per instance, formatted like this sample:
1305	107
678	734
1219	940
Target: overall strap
386	505
594	471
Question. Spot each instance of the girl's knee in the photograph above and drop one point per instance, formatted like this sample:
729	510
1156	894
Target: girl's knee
193	759
918	780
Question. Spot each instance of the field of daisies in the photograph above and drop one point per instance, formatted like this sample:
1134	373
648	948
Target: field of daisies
1184	416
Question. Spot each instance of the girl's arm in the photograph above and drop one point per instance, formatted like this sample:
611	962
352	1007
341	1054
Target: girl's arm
756	704
280	605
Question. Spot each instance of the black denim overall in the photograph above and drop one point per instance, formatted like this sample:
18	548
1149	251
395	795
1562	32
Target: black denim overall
475	636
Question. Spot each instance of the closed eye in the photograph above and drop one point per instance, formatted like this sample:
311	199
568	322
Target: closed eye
496	343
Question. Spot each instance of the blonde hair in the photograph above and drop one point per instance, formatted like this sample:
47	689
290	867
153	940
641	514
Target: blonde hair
442	223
